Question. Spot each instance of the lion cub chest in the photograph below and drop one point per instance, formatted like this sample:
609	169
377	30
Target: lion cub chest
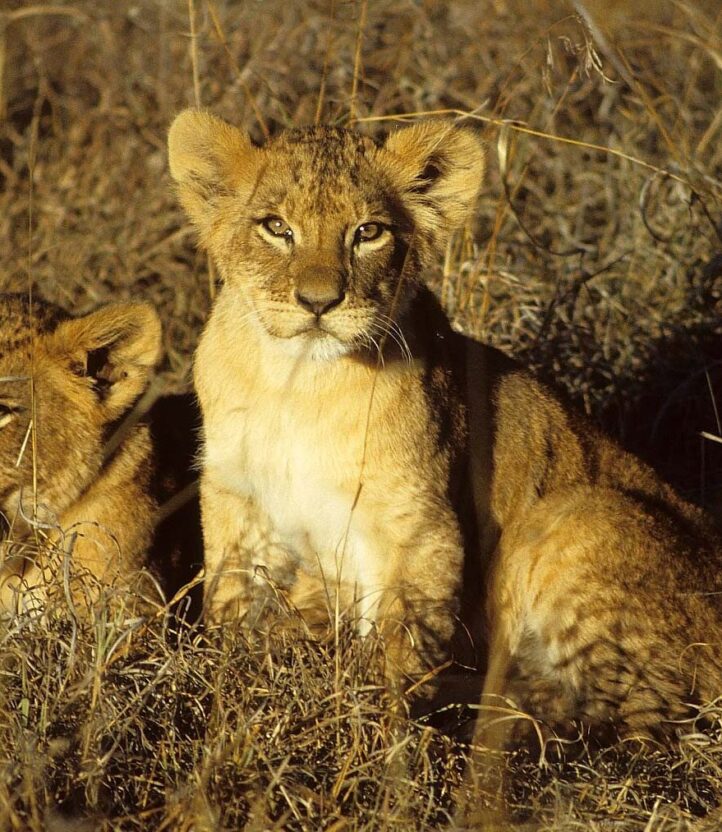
298	456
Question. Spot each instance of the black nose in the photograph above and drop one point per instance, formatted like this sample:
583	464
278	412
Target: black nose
319	302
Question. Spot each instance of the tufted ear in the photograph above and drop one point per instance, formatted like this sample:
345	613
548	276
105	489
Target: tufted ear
116	347
438	169
209	159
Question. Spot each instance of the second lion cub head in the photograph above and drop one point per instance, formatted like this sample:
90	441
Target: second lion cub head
315	229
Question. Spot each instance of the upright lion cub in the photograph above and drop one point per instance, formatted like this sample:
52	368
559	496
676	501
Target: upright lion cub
333	434
353	438
64	383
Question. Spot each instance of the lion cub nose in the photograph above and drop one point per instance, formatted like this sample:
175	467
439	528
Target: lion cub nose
319	302
319	289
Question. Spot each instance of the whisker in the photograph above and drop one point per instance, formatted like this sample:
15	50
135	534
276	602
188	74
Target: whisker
394	326
380	328
406	350
368	340
391	328
384	332
379	351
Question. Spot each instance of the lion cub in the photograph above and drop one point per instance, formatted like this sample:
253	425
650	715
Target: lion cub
64	383
352	438
334	432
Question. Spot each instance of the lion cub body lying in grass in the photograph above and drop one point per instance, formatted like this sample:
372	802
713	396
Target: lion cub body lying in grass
354	442
64	383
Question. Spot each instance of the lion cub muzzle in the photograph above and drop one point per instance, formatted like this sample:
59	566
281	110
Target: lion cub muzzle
319	289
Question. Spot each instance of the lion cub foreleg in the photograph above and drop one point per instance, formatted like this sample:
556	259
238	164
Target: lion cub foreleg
242	558
419	605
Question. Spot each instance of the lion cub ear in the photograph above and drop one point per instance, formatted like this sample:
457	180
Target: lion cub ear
209	159
116	347
439	169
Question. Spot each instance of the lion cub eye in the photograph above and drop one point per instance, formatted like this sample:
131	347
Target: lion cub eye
278	228
8	412
368	231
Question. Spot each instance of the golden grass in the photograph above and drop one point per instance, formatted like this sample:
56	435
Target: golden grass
595	256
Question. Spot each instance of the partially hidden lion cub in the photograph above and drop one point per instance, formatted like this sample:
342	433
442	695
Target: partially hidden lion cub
352	437
64	383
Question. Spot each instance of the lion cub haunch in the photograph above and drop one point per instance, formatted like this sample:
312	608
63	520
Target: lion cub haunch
64	383
357	447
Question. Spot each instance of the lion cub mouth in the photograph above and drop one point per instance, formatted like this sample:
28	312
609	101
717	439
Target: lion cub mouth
320	343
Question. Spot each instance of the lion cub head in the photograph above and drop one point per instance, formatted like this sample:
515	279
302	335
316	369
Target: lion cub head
63	384
322	232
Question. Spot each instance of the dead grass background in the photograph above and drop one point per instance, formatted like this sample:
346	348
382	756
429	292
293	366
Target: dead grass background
596	256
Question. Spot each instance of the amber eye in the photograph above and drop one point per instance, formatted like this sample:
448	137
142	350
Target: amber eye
277	227
367	232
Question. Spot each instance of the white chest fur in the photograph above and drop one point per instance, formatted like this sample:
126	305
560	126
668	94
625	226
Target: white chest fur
301	464
293	438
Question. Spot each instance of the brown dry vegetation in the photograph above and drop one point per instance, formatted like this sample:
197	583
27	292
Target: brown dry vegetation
596	256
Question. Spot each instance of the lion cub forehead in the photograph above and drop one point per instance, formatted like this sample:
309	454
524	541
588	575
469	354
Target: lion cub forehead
336	144
322	156
318	171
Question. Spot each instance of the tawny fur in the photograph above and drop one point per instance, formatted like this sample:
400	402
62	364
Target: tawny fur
330	455
65	382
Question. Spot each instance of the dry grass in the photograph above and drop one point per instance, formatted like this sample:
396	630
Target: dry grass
596	257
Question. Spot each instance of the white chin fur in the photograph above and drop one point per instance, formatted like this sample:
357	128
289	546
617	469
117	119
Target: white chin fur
327	348
314	348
